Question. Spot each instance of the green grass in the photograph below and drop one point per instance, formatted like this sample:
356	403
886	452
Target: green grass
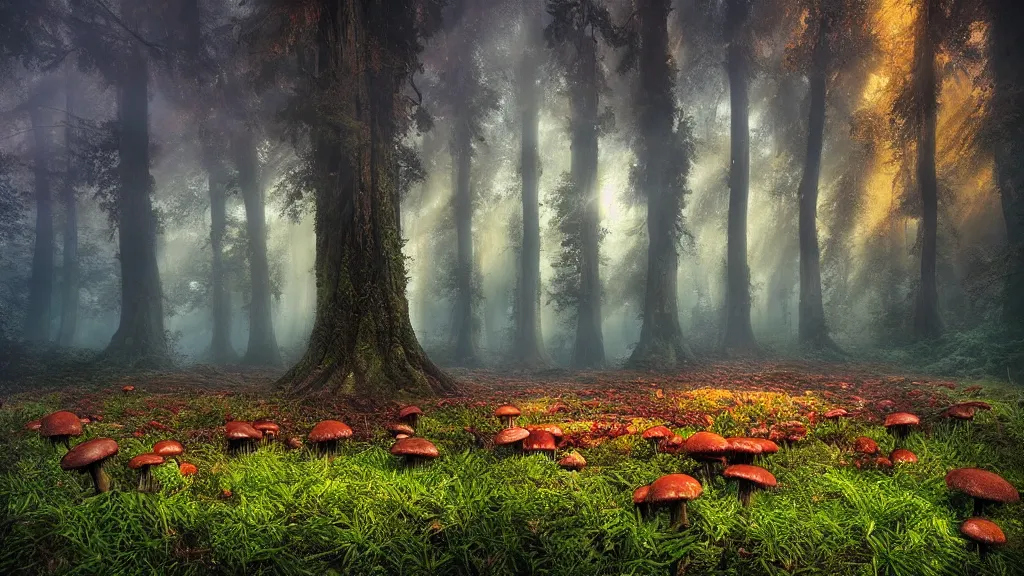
478	512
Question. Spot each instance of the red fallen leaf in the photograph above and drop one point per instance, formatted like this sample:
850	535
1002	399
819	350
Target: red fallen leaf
883	462
885	404
228	417
96	417
556	408
858	399
225	494
915	393
137	434
972	389
659	393
84	420
744	553
950	385
294	443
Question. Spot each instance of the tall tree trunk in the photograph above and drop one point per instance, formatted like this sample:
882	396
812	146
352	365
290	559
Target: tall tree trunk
221	351
589	349
739	335
927	323
140	334
262	348
37	321
661	338
362	339
464	336
528	345
813	330
69	293
1007	53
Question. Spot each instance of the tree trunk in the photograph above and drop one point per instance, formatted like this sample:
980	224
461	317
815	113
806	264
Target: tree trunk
362	340
464	337
528	345
221	351
589	349
927	323
739	335
37	321
140	334
661	338
69	293
813	331
262	348
1007	52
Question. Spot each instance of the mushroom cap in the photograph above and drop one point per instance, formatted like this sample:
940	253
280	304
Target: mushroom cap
903	456
836	413
128	388
901	419
168	448
744	446
982	531
553	429
673	488
640	494
706	444
186	469
401	428
865	445
755	474
511	436
982	484
88	453
539	441
329	430
658	432
573	461
419	447
409	411
33	425
236	430
767	446
959	412
60	424
977	404
147	459
506	410
266	426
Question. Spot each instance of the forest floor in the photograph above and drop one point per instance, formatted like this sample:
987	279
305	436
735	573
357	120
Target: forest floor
486	511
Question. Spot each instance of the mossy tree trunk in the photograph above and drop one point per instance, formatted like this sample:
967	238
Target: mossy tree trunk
40	287
362	340
69	265
262	348
221	351
661	338
463	325
738	335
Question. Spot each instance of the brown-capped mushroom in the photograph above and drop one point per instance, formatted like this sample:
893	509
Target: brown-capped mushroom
89	456
168	449
743	450
60	427
399	428
865	445
707	448
512	437
640	500
540	441
902	456
269	428
751	478
573	462
325	436
410	415
143	463
900	423
655	435
507	413
984	533
983	486
674	491
242	437
415	451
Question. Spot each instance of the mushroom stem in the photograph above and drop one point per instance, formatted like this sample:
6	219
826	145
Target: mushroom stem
982	551
99	478
745	489
678	515
979	507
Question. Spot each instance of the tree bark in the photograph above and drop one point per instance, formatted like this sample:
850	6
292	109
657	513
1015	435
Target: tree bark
362	340
813	331
140	335
221	351
262	348
69	292
739	334
37	320
588	351
661	338
927	322
463	327
1007	52
528	343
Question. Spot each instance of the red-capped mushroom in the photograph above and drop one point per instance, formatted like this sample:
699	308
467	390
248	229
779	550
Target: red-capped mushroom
865	445
984	533
540	441
836	414
34	425
959	412
655	435
294	443
902	456
89	456
707	448
186	469
241	436
767	448
410	415
60	427
900	423
168	448
325	436
983	486
640	500
573	462
743	450
143	463
128	388
674	491
512	437
269	428
415	451
507	413
552	429
750	478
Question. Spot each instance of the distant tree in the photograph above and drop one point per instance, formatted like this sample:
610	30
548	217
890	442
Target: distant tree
40	293
69	267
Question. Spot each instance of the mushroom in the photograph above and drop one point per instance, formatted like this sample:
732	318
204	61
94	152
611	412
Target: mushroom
540	441
983	486
671	445
902	456
865	445
415	451
655	435
34	425
836	414
640	500
573	462
168	449
767	447
507	413
984	533
143	463
241	437
707	448
269	428
410	415
326	434
675	490
59	427
512	437
89	456
751	478
400	428
553	429
294	443
128	388
743	450
186	469
959	412
900	423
